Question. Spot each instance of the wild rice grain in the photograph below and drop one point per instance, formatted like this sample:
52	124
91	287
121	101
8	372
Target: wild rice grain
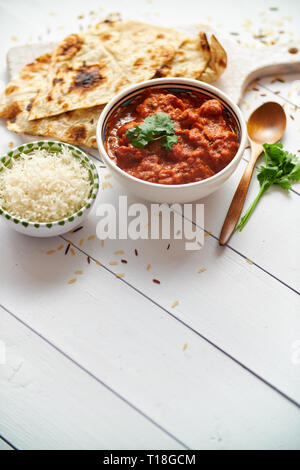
89	260
77	229
136	252
67	249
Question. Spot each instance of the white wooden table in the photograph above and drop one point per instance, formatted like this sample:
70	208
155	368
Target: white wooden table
107	363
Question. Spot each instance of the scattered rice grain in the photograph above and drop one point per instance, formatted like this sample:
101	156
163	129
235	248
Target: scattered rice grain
185	346
71	281
148	267
77	229
91	237
113	263
79	271
60	247
81	242
174	304
50	252
202	270
278	79
119	252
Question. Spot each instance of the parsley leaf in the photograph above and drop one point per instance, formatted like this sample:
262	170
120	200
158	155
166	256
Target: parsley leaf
155	127
282	168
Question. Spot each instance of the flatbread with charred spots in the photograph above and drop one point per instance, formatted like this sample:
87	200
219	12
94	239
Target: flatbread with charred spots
64	86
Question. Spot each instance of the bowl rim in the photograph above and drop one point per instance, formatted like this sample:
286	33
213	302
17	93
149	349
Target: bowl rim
165	82
36	144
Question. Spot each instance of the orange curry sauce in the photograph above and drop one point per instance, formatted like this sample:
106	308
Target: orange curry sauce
207	138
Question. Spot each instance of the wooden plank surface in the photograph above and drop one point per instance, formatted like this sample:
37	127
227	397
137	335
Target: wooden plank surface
216	371
48	400
4	445
178	385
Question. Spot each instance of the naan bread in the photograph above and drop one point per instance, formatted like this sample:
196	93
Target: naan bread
190	60
133	50
198	59
76	127
22	90
217	63
89	69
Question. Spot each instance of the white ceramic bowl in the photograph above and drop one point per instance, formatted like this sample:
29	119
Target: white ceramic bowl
51	229
171	193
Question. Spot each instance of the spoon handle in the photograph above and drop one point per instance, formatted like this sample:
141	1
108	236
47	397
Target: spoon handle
239	197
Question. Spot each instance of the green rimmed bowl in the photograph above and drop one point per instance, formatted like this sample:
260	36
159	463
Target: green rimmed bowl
59	227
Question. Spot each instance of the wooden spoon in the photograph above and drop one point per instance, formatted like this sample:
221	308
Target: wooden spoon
265	125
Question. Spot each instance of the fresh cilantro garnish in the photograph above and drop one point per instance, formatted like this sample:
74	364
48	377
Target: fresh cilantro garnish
281	168
155	127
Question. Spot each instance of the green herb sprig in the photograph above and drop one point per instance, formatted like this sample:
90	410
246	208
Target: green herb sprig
155	127
281	168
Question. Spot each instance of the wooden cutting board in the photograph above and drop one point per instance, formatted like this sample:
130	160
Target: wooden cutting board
244	64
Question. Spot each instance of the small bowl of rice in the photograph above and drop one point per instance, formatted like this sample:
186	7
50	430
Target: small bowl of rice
47	188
